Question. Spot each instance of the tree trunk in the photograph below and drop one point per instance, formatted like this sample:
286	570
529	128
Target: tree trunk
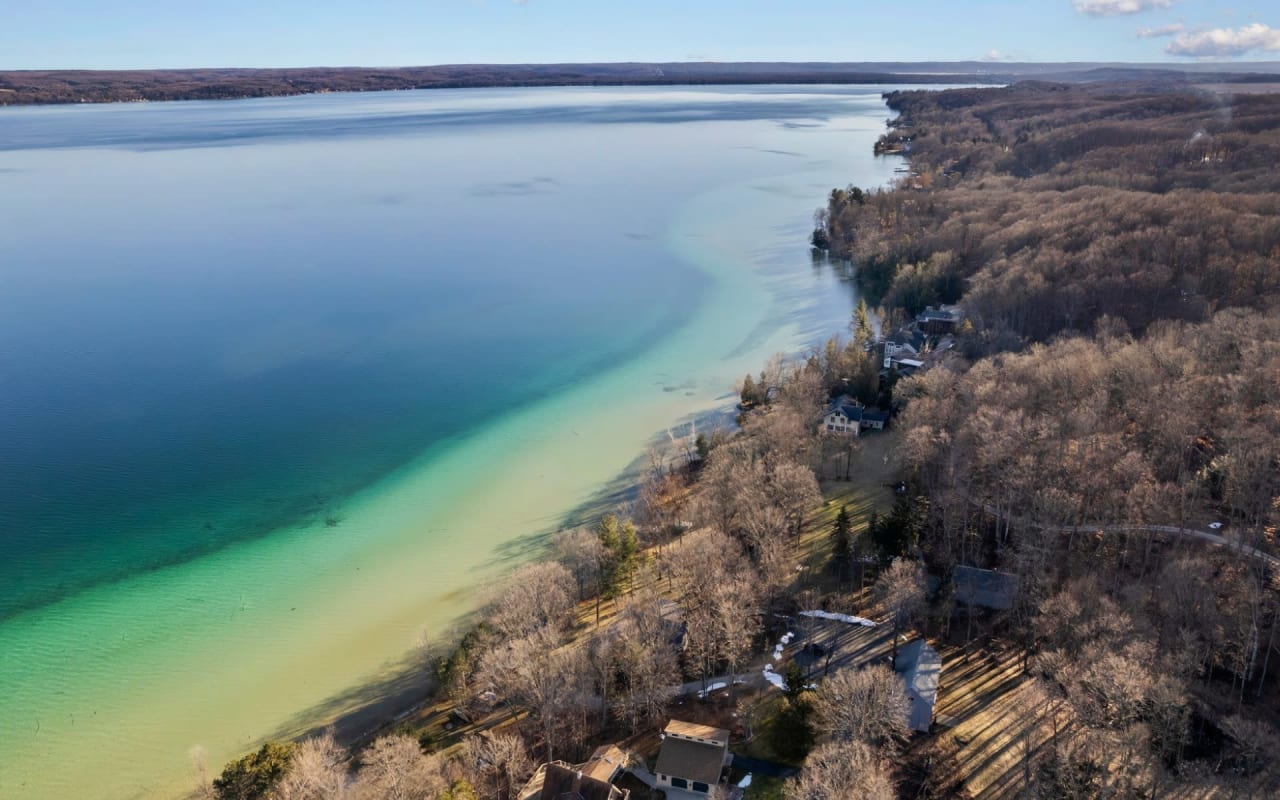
1266	658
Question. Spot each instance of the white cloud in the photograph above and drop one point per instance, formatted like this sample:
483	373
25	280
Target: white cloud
1164	30
1115	8
993	55
1224	42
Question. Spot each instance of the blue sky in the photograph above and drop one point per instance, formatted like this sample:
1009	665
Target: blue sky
105	34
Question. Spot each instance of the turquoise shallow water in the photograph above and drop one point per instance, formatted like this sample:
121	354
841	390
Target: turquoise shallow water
265	365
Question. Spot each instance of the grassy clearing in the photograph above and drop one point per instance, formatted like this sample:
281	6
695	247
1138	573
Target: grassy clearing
762	720
874	468
875	465
764	788
993	720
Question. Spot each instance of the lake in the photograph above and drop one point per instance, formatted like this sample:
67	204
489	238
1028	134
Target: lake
282	381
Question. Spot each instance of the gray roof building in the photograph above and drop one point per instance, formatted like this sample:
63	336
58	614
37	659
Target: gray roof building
921	668
692	756
559	781
984	587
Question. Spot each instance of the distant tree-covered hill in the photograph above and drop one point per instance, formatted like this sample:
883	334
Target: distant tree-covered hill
90	86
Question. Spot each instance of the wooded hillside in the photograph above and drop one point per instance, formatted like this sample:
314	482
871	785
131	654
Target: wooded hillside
1112	411
1048	207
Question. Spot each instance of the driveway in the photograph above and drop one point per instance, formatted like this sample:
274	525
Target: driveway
758	766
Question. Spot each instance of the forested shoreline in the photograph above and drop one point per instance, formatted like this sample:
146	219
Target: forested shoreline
1101	434
44	87
1116	251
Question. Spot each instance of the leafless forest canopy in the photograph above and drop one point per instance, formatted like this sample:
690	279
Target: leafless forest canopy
1116	252
1049	207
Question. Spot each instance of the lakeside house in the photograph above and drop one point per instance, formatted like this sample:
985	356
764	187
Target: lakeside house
692	758
847	417
874	419
591	780
844	416
896	350
921	668
906	367
936	321
925	341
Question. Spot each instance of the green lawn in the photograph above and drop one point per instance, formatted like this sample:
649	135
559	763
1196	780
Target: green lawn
764	788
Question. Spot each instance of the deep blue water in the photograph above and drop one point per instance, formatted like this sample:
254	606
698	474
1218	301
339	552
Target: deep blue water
218	318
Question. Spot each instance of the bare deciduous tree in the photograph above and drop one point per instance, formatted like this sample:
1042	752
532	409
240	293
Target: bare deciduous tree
536	673
318	771
900	593
539	596
395	768
843	771
581	552
866	705
500	761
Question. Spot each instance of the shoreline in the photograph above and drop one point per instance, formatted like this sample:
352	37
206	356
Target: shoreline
46	87
385	712
335	576
42	87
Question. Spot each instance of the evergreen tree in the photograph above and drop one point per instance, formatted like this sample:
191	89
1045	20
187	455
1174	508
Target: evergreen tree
895	535
792	732
749	392
702	446
863	333
864	383
841	542
460	790
793	682
623	547
255	776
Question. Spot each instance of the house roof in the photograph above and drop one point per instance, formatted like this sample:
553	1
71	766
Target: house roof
921	667
605	763
846	405
912	337
678	728
909	362
984	587
943	314
875	415
563	783
694	761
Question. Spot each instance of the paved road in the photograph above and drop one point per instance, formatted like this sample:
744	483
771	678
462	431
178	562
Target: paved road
758	766
1171	530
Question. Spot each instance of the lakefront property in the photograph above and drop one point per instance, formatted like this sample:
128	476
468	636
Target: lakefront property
363	444
847	417
322	481
692	758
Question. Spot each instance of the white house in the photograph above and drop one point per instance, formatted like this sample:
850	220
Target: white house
844	417
692	757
